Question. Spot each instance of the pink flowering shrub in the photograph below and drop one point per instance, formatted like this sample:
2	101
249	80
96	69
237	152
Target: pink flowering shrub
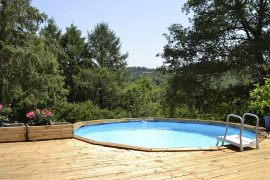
4	112
39	117
30	114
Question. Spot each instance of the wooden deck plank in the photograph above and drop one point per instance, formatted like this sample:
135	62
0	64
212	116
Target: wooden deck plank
74	159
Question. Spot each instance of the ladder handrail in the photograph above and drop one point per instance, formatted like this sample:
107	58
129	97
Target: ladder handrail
257	126
241	129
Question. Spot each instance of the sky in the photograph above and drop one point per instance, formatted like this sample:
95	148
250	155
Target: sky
140	24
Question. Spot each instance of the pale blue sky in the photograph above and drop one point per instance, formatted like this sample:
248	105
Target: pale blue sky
138	23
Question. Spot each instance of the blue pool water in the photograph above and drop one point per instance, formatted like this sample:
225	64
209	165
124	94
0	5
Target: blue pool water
158	134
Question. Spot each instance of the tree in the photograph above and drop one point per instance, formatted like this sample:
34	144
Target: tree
29	74
141	98
225	35
18	20
51	34
51	30
31	77
75	56
135	73
105	48
226	39
100	85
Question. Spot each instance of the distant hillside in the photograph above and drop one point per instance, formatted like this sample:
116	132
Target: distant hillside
142	72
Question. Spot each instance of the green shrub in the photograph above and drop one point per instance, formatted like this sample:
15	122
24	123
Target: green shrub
260	98
85	111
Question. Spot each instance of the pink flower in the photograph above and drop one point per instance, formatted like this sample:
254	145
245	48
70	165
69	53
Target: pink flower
42	113
37	110
50	113
45	116
1	106
9	104
46	110
30	114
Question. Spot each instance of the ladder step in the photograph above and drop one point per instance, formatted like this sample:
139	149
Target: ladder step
235	140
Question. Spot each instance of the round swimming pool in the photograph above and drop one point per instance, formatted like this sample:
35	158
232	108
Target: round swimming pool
158	134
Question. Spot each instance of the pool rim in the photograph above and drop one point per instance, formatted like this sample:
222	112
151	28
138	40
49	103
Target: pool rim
77	125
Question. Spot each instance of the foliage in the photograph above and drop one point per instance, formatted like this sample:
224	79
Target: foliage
141	99
51	34
4	113
18	21
101	85
140	69
204	64
105	48
75	56
38	67
136	73
260	98
51	30
224	37
39	117
84	111
29	71
30	76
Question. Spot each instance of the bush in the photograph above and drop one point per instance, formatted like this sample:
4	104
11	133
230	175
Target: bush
260	101
141	99
4	112
39	117
260	98
85	111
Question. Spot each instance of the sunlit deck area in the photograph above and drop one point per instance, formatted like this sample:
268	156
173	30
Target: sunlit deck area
74	159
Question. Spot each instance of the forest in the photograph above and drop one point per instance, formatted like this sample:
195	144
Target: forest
210	69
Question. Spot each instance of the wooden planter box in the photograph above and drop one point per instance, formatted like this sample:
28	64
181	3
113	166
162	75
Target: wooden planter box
9	134
50	132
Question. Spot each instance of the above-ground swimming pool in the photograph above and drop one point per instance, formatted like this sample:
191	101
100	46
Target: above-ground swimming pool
158	134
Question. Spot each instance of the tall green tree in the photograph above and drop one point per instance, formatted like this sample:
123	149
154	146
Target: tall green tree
75	56
225	35
226	39
105	48
51	34
51	30
29	73
31	77
18	21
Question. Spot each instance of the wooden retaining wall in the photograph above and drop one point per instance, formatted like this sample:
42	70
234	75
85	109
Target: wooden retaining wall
9	134
50	132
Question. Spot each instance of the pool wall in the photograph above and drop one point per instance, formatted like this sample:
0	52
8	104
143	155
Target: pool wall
104	121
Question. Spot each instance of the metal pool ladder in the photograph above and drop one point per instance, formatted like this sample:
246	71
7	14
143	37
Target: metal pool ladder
236	139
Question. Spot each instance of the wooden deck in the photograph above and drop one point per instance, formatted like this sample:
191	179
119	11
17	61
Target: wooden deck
74	159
